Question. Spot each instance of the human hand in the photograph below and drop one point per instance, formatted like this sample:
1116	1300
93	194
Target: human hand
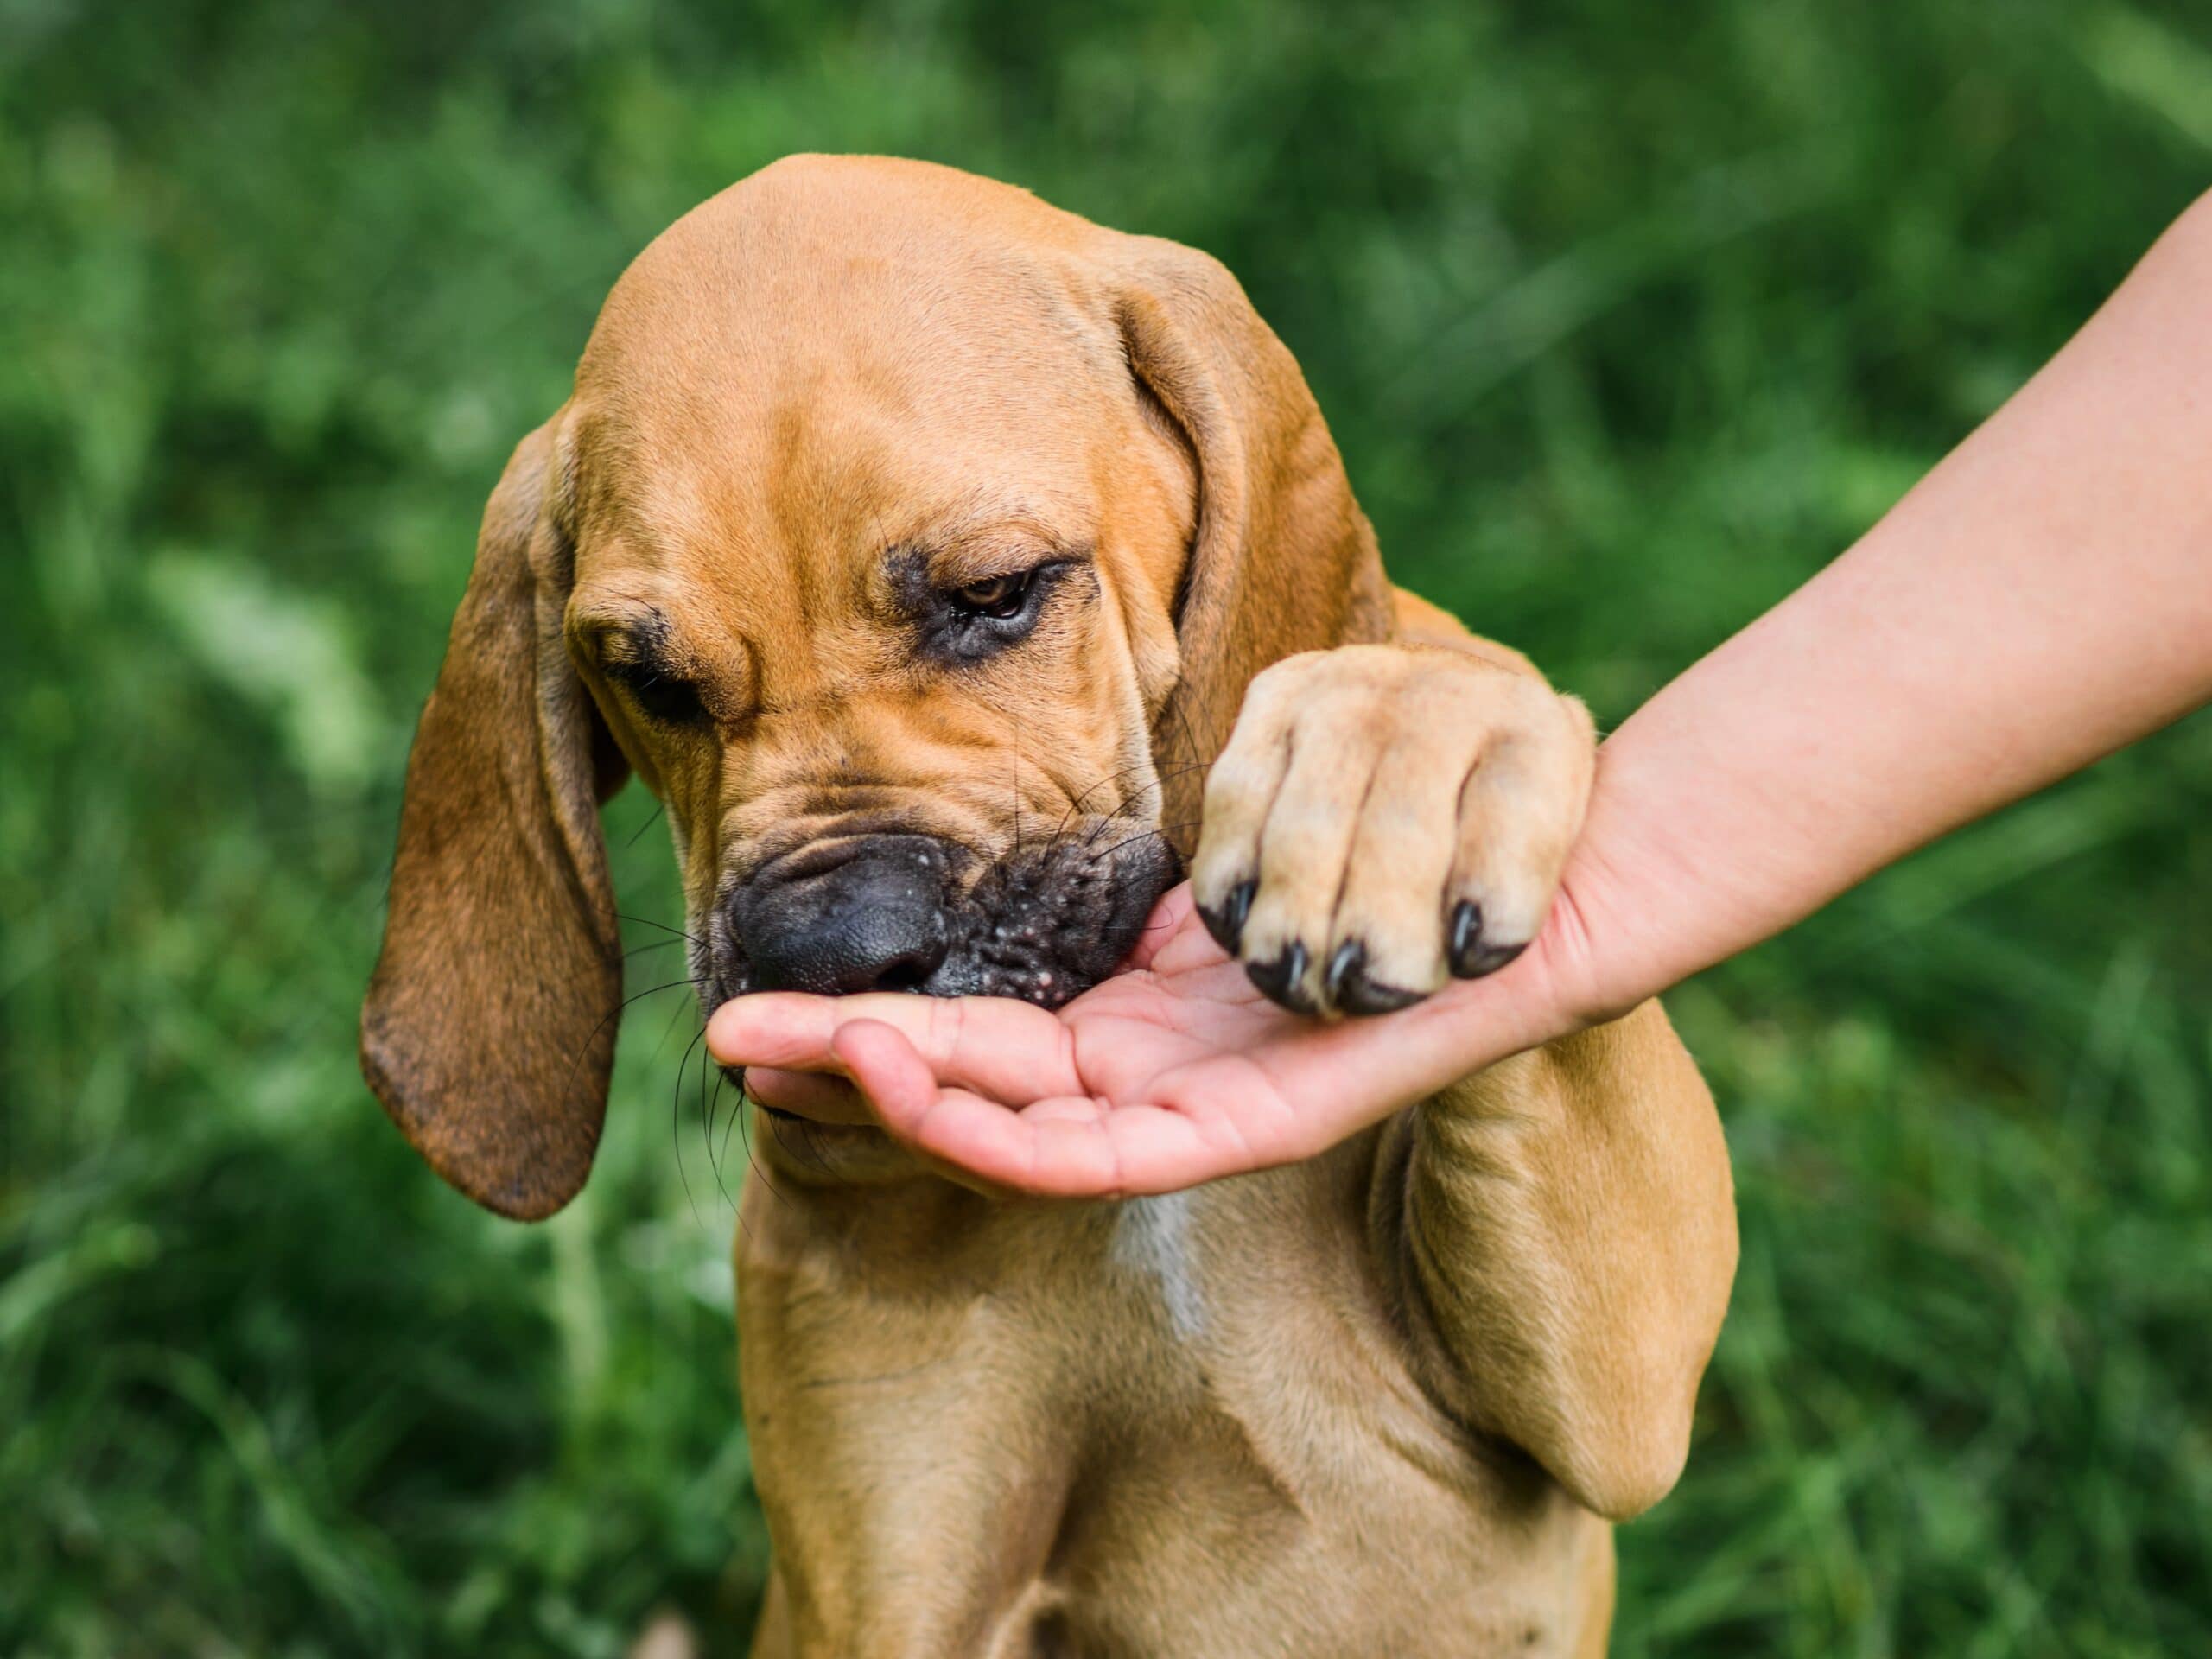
1175	1071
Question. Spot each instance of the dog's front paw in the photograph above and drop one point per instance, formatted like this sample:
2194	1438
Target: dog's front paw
1384	815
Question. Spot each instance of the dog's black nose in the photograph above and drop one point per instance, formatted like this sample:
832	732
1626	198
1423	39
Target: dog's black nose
873	921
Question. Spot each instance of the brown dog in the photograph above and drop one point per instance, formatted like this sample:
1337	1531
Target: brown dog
911	539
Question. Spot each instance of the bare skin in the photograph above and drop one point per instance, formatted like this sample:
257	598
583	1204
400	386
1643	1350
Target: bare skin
2041	599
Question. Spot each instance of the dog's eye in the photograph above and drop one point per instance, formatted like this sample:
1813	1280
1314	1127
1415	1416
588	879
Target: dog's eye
673	701
975	619
1000	598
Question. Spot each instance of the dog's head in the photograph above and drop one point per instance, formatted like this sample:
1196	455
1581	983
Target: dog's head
914	542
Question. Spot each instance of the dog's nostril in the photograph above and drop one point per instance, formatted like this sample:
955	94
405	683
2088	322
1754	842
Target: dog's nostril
870	949
910	973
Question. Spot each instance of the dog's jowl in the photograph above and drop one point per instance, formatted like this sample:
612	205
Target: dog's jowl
960	575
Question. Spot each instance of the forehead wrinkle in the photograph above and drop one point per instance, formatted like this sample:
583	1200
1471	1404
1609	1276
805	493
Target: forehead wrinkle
847	485
920	318
984	522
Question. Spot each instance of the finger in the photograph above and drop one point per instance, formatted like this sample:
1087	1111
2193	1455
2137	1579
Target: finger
1165	924
818	1096
960	1129
993	1046
1054	1148
1069	1148
1157	1149
896	1087
898	1083
1062	1152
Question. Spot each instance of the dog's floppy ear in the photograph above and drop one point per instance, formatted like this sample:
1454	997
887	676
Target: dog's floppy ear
488	1032
1281	558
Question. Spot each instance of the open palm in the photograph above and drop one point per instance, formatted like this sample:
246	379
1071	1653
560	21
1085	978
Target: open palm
1173	1072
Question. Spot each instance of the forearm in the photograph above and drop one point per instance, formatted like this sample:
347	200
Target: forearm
2041	598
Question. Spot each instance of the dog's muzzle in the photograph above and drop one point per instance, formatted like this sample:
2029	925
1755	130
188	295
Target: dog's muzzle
915	913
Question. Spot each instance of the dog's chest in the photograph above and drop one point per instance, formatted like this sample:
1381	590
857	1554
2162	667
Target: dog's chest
1153	1241
1169	1419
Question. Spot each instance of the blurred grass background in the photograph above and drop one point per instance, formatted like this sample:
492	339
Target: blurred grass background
1627	318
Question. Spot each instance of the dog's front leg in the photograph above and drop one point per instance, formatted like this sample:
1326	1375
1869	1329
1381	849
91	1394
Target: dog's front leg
909	1414
1560	1228
1562	1232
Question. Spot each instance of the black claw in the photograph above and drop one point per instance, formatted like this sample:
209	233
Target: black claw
1282	980
1466	933
1349	962
1491	957
1353	992
1240	905
1226	923
1369	997
1470	954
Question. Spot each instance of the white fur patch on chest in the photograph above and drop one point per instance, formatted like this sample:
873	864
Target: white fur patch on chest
1153	1236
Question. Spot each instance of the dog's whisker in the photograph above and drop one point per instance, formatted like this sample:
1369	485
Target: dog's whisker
744	1133
675	1019
810	1138
1160	830
721	1151
737	1121
709	1104
1099	827
716	1148
611	1014
1125	804
657	811
705	1128
736	1115
1073	806
1190	740
676	1124
804	1129
1119	772
647	921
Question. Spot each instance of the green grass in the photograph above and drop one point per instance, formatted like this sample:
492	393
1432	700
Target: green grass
1627	317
